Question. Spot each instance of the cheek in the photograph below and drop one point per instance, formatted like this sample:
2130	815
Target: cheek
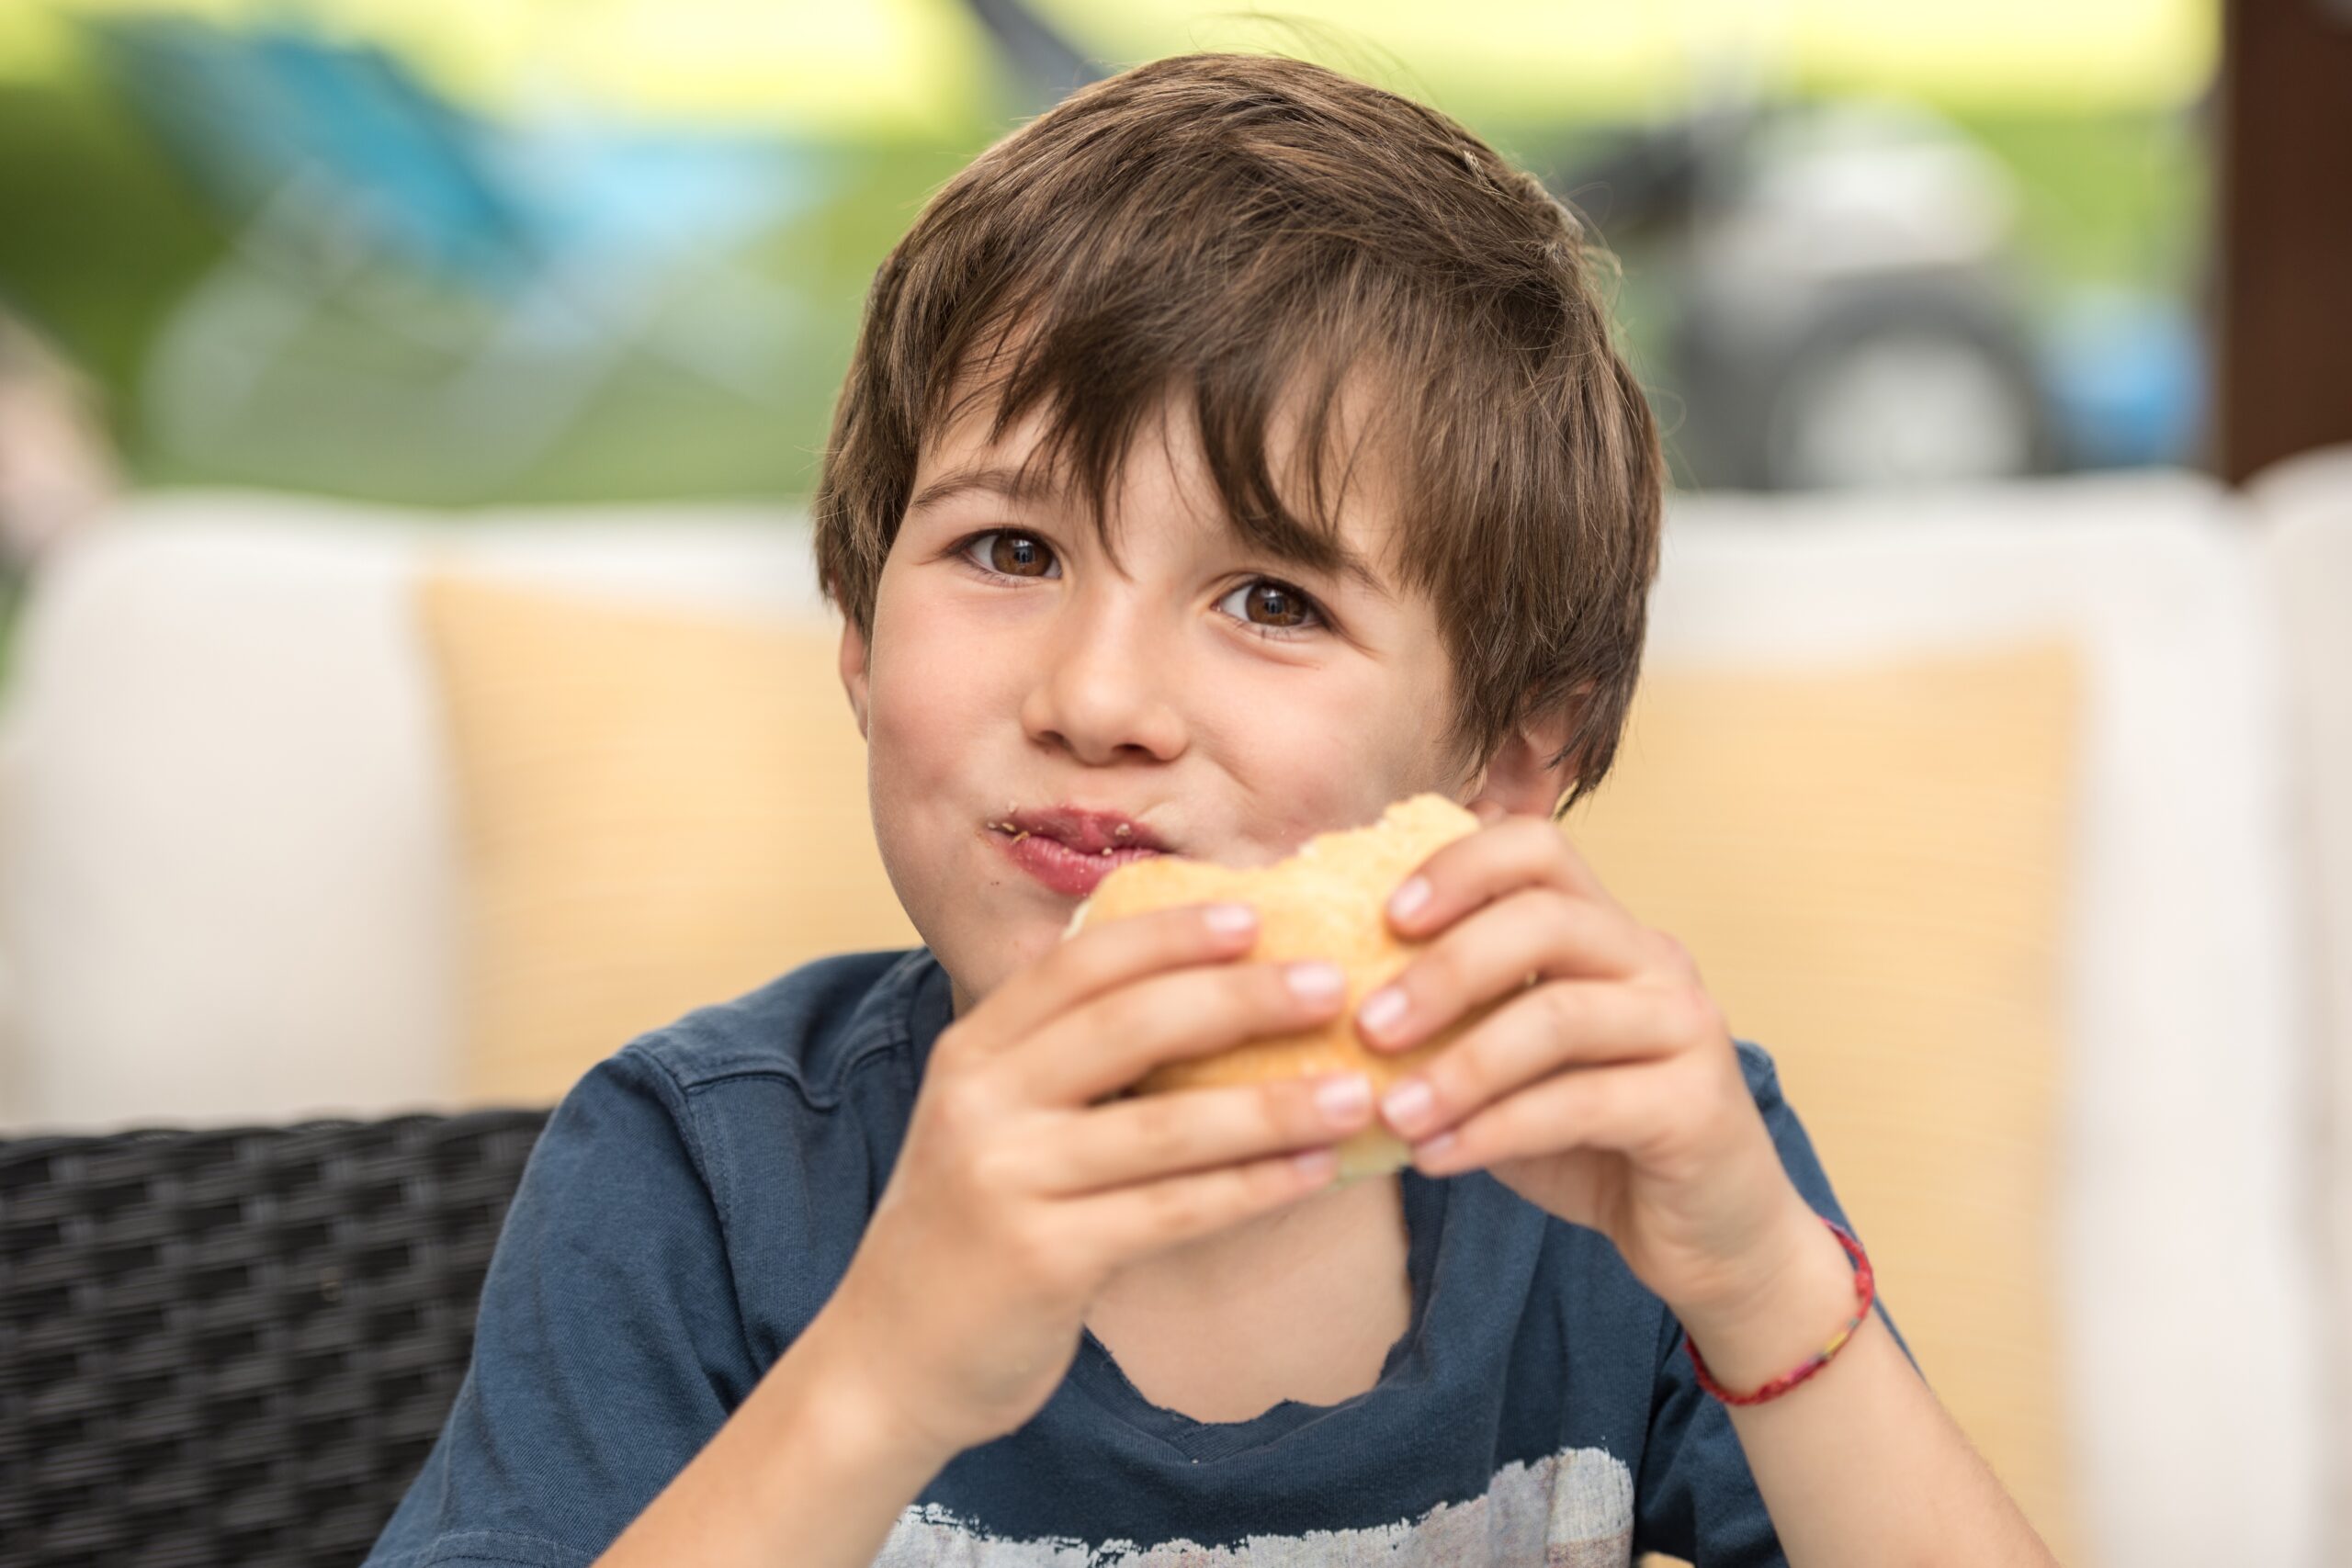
1336	761
925	694
926	709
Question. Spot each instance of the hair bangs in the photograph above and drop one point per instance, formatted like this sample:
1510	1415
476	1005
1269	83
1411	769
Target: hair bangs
1257	398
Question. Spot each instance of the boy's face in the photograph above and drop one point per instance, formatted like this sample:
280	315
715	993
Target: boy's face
1149	695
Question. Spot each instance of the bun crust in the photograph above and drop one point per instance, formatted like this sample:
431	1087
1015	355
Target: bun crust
1327	901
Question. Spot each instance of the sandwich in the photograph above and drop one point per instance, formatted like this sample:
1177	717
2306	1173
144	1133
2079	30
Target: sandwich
1328	901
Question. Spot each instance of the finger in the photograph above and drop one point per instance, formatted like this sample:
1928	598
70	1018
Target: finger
1467	872
1099	959
1128	1224
1533	934
1161	1134
1623	1107
1109	1042
1563	1027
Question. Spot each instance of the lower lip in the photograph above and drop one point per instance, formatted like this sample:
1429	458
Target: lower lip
1062	868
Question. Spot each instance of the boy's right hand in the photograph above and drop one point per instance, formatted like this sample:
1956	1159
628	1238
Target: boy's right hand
1017	1196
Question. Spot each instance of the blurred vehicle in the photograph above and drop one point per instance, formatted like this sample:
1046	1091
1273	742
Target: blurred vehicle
1845	307
1844	299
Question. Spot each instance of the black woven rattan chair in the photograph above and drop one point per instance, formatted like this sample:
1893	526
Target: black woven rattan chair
237	1346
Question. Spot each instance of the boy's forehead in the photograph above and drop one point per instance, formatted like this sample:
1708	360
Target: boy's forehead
957	460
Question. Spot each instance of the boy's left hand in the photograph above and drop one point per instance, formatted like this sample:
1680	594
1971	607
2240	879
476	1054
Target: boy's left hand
1606	1089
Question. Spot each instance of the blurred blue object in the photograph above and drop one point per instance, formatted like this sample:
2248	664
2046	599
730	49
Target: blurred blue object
2125	374
355	115
586	187
357	196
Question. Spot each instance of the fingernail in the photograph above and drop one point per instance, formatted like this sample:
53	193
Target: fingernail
1344	1099
1381	1009
1316	1164
1408	1105
1231	918
1315	981
1410	898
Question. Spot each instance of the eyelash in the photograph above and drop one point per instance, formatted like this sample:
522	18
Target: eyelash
961	550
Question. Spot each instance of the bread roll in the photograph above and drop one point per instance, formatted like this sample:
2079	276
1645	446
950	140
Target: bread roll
1329	900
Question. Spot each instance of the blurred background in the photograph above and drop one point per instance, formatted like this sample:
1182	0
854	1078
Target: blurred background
413	682
449	254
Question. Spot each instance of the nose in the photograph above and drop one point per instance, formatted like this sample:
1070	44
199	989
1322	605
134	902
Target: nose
1110	670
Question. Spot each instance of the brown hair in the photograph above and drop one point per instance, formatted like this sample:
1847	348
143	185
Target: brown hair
1253	227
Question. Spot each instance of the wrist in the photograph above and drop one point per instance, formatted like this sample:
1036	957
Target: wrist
1800	1293
809	1468
849	1389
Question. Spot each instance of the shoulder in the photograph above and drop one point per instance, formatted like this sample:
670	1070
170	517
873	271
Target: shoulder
1763	1077
812	1026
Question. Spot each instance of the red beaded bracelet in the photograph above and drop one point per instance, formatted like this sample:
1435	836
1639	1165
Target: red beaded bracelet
1865	1290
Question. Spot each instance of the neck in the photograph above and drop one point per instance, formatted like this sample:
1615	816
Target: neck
1320	1238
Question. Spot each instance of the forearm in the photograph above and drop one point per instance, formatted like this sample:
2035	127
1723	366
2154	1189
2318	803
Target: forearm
809	1471
1859	1464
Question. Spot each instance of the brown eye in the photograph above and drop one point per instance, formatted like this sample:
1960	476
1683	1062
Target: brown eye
1276	610
1009	554
1284	607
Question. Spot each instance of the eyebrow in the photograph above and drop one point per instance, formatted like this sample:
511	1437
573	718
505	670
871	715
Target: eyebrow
1012	484
1020	485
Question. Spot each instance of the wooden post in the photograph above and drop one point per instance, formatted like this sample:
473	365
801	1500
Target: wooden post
2284	369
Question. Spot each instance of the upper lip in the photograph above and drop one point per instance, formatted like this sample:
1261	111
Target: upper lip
1087	831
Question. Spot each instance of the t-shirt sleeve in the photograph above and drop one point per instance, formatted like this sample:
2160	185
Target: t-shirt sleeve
608	1349
1695	1497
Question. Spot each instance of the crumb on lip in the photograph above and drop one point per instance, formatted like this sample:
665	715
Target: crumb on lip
1118	830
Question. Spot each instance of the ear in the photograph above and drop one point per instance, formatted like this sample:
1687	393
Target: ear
1520	780
854	670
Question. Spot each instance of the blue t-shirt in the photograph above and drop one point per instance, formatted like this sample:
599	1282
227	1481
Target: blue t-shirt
695	1198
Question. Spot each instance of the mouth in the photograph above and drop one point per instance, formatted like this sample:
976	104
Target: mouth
1085	831
1070	849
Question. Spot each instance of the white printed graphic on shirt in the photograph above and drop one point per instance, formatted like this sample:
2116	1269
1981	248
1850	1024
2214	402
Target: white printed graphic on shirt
1573	1509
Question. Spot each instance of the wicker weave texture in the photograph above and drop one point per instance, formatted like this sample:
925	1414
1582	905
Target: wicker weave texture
237	1346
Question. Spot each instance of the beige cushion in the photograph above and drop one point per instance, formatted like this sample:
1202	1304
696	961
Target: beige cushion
1871	867
2186	1217
2183	1225
228	871
658	811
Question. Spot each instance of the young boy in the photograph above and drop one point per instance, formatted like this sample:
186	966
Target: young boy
1232	451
